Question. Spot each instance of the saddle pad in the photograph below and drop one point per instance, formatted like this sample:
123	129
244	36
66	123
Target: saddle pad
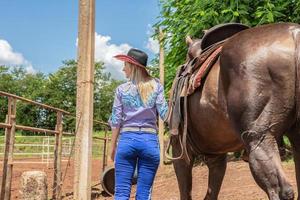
195	80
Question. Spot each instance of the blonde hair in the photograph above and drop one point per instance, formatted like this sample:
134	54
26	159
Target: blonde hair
145	83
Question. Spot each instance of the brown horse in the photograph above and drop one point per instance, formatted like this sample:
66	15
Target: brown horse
250	97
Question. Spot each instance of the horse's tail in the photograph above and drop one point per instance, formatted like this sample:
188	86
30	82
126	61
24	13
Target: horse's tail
296	35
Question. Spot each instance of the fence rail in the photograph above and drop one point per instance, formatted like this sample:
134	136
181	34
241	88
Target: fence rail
10	127
33	102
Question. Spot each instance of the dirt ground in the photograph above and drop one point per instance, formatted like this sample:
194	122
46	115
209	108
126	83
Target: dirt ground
238	183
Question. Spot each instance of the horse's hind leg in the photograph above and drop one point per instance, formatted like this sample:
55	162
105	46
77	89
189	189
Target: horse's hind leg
294	138
261	102
263	117
258	135
265	165
183	172
263	122
217	167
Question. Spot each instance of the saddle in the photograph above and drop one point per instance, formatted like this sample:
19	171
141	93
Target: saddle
206	62
190	76
221	32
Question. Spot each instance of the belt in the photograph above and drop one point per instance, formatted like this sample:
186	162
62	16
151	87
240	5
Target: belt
135	129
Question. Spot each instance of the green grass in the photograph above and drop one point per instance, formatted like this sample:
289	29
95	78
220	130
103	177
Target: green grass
101	133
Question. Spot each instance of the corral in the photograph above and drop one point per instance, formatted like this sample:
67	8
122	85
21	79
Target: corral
46	150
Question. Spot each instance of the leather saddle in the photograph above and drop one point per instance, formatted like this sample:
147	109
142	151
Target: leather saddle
221	32
189	77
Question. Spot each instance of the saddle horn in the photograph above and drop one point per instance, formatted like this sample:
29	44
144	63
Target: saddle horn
189	40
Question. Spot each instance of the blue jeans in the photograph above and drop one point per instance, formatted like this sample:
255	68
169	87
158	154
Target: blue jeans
139	149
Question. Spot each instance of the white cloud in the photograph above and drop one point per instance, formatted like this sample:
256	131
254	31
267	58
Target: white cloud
153	45
30	69
104	51
9	57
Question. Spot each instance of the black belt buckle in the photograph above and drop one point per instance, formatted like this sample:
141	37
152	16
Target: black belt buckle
140	129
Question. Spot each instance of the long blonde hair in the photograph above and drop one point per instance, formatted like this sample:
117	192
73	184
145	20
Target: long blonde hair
145	83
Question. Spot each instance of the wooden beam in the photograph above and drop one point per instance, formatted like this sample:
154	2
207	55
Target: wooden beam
32	102
104	158
33	129
5	125
11	131
57	182
85	98
161	128
5	159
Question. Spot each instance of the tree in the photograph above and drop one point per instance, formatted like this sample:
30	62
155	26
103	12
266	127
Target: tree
180	18
17	81
60	91
103	94
6	84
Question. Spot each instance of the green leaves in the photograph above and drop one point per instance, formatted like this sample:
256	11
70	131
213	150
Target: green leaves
17	81
191	17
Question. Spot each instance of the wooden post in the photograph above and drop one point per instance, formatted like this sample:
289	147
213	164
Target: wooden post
104	161
84	104
162	79
57	158
10	143
5	159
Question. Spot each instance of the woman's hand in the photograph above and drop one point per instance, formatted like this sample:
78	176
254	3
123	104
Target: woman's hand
115	134
112	153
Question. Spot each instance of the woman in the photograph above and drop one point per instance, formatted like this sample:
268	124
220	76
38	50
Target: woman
134	121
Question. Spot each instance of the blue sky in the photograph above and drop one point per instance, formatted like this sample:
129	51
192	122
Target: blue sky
40	34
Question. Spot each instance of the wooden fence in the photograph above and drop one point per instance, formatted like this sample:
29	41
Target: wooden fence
10	127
